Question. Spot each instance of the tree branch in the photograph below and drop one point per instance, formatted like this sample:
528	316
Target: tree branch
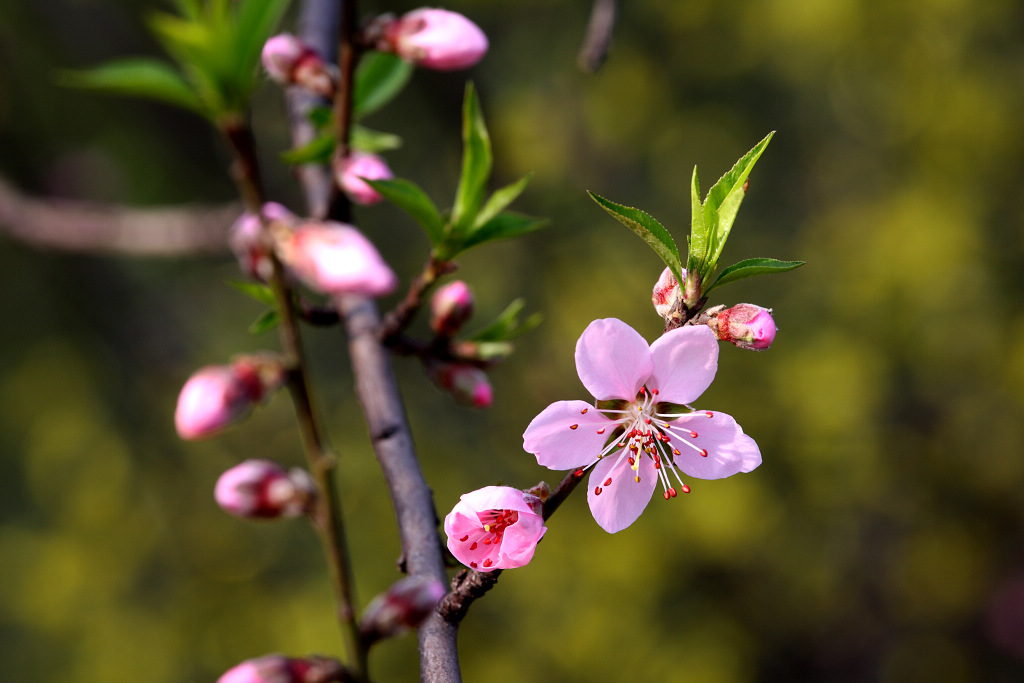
599	35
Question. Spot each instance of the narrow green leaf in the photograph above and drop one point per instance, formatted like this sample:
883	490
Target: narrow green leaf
317	151
507	325
503	226
255	290
501	199
379	78
649	230
493	350
698	241
256	21
267	321
321	116
373	141
137	77
751	267
476	163
408	196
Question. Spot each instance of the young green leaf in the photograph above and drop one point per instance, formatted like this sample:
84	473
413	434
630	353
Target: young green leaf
501	199
751	267
408	196
698	241
255	290
379	78
267	321
373	141
139	77
476	163
507	325
257	19
649	229
503	226
317	151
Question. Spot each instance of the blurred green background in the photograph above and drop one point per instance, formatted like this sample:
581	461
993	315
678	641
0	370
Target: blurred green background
881	540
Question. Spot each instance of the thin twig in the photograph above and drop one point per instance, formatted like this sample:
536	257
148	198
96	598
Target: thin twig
599	35
398	319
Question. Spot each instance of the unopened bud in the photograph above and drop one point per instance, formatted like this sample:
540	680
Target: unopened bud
281	669
263	489
405	605
668	295
436	39
351	170
290	61
745	325
467	383
219	395
249	243
450	307
335	258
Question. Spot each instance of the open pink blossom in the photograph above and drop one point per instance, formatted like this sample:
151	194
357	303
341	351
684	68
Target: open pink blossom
335	258
645	436
496	527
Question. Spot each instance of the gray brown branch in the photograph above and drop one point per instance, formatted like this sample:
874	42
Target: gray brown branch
599	35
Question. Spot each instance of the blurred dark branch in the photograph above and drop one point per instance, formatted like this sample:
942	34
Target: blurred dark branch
91	227
599	35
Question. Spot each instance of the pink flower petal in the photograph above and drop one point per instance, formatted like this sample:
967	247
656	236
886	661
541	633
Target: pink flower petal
730	451
493	498
612	359
520	541
621	501
559	445
685	363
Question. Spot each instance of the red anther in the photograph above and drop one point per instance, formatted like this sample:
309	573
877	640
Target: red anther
474	546
488	562
472	565
601	430
597	490
573	426
464	538
686	489
579	473
608	481
632	461
675	451
488	541
703	452
654	391
584	411
709	413
693	434
671	493
647	420
666	496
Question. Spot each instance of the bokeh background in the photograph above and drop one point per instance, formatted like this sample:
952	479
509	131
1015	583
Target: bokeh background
881	540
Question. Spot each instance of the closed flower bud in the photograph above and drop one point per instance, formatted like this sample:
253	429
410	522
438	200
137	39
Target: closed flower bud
405	605
290	61
335	258
667	295
450	307
248	242
745	325
467	383
281	669
262	488
351	170
436	39
219	395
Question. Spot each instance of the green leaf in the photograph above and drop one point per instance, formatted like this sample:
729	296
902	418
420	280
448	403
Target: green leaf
723	202
408	196
267	321
501	199
321	116
256	21
751	267
373	141
255	290
503	226
476	163
698	241
317	151
137	77
379	77
649	229
507	325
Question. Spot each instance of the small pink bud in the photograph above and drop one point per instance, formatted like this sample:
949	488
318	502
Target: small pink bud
335	258
745	325
667	295
351	170
262	488
437	39
405	605
288	60
496	527
219	395
450	307
281	669
467	383
248	243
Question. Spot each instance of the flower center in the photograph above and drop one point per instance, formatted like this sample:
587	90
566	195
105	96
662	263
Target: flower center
493	524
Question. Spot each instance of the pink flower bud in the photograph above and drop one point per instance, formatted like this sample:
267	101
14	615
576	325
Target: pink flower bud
467	383
450	307
219	395
745	325
335	258
288	60
667	296
405	605
248	243
262	488
437	39
351	170
496	527
281	669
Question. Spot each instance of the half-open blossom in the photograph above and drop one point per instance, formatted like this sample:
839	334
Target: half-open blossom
281	669
335	258
289	60
437	39
667	296
645	435
406	604
450	307
249	243
263	489
745	325
496	527
219	395
467	383
350	171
